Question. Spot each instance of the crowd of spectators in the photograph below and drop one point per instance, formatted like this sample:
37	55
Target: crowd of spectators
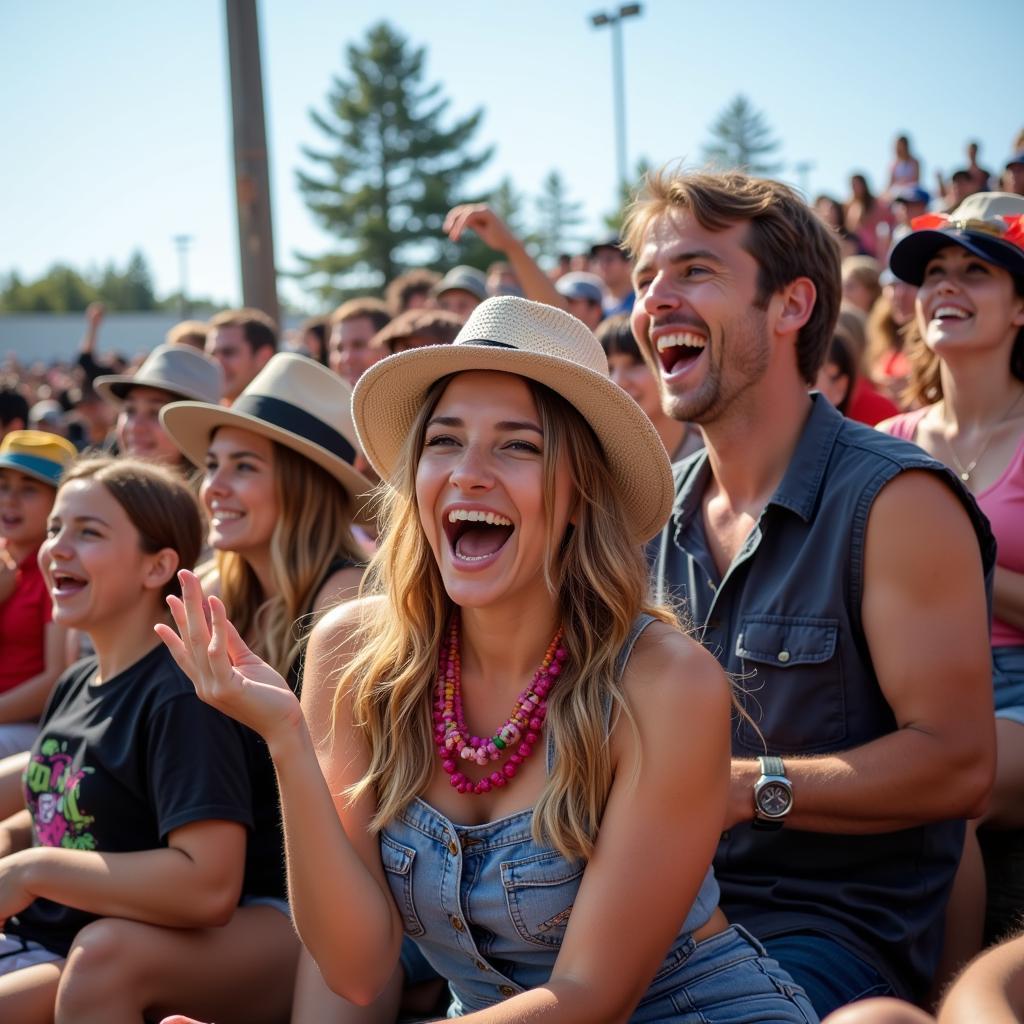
247	433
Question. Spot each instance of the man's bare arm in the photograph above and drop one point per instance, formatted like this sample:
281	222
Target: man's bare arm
926	623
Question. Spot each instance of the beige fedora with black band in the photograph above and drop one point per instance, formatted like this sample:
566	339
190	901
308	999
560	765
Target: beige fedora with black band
181	371
294	401
513	335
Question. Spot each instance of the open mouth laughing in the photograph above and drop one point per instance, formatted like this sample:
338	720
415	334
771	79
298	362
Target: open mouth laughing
65	584
949	313
476	535
679	349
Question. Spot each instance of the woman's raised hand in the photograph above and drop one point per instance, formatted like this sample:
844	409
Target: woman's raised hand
225	673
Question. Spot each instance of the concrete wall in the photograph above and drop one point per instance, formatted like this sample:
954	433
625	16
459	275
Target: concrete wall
55	336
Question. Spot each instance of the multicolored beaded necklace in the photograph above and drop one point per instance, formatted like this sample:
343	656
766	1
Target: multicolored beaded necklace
523	726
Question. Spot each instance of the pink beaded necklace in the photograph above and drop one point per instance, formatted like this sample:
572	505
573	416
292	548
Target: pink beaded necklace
525	723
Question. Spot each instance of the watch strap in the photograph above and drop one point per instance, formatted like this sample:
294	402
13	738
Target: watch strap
772	766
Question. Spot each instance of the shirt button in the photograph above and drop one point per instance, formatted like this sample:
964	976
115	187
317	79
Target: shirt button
457	924
507	991
453	847
783	656
480	965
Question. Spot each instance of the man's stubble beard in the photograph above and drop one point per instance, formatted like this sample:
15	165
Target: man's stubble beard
749	351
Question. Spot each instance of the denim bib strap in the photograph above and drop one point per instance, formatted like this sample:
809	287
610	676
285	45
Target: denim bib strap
639	625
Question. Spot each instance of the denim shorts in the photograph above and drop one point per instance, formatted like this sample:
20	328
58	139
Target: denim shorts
1008	680
276	902
17	953
726	979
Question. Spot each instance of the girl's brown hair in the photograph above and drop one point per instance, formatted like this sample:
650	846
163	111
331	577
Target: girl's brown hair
157	501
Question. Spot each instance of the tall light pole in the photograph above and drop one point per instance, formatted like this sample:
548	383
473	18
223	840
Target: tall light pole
803	169
614	19
182	242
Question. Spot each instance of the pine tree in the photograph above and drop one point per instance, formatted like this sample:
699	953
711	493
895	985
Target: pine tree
558	215
742	140
390	170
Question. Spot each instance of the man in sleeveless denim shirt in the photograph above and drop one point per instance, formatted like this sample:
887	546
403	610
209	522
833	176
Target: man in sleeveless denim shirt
837	573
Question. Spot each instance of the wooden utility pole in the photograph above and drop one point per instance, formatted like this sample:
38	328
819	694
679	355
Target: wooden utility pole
252	179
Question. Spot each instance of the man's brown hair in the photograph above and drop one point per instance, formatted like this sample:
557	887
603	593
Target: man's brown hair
785	238
405	286
365	305
189	332
436	325
257	328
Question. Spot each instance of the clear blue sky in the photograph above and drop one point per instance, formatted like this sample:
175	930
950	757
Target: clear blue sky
116	128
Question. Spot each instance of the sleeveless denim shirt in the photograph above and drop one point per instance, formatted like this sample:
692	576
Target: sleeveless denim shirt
488	906
785	622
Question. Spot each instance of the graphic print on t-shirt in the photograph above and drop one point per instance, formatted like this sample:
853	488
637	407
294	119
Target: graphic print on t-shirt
53	783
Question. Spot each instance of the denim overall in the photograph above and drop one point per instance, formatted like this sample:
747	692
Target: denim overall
488	907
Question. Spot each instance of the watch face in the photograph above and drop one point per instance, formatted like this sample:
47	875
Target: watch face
773	799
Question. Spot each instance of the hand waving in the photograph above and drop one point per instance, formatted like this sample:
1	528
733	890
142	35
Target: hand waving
479	217
225	673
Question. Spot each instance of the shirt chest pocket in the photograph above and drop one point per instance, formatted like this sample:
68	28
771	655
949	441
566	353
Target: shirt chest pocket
398	860
540	892
792	684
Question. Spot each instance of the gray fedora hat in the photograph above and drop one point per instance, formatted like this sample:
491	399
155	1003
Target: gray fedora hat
178	369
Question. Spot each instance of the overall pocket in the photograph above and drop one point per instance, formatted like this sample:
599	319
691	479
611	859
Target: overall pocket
791	679
398	860
540	892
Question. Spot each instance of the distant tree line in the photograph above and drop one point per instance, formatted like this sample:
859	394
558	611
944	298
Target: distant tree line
63	289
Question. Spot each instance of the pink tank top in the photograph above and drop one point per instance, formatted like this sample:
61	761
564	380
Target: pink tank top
1003	505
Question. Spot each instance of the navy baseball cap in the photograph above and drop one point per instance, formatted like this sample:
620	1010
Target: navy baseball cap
988	224
911	194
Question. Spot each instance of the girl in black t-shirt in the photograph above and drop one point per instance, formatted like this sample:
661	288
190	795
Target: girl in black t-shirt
138	798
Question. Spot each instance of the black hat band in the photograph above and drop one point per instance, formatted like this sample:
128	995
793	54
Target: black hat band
279	413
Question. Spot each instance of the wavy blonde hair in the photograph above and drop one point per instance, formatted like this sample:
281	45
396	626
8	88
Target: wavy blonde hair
314	528
599	577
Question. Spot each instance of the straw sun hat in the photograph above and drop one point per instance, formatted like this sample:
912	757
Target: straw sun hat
544	344
294	401
182	371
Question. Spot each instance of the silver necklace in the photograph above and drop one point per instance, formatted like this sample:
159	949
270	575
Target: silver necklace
966	471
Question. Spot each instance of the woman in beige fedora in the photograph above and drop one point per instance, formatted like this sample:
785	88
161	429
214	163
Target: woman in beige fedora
280	494
552	863
169	374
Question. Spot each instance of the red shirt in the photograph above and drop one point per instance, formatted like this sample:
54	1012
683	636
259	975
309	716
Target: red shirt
868	406
23	619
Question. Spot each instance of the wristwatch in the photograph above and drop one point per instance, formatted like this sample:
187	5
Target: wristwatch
773	795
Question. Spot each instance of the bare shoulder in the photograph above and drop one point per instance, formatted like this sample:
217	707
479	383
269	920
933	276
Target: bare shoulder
918	514
331	647
340	586
336	632
669	672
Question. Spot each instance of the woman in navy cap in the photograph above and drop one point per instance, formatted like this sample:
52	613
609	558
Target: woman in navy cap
967	373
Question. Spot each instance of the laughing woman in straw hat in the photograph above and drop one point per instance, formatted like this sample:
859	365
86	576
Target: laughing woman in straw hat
529	762
169	374
967	361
